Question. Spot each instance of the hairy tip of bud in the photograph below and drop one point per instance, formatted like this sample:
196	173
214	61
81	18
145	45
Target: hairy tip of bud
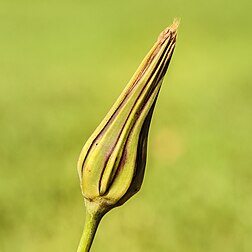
169	31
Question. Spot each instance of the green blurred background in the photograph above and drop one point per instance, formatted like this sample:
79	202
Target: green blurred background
63	64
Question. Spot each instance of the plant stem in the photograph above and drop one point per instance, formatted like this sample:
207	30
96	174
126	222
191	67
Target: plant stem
91	223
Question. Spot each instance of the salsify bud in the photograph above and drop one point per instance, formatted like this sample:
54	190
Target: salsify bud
112	162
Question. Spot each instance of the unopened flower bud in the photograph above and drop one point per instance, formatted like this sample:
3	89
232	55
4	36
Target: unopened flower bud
112	162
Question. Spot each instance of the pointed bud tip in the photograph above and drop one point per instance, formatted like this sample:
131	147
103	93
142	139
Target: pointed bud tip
174	26
169	31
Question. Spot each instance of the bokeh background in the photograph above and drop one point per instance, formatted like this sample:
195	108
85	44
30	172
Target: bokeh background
63	64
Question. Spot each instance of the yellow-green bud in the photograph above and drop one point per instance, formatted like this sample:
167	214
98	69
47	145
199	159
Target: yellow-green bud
112	162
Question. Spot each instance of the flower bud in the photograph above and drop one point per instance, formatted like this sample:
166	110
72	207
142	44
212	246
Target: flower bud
112	162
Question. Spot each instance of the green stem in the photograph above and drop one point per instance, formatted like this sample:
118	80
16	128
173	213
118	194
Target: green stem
91	224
